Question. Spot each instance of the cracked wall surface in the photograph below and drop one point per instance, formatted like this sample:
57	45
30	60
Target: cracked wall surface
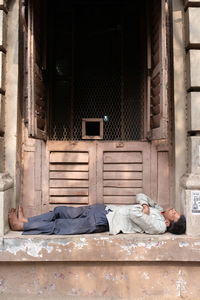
100	247
109	280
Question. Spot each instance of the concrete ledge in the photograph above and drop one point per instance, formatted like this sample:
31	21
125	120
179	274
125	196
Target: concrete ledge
99	247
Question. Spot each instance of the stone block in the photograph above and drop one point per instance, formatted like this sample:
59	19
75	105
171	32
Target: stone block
194	155
192	17
193	100
193	69
6	195
192	219
2	71
2	113
5	200
2	154
3	28
6	182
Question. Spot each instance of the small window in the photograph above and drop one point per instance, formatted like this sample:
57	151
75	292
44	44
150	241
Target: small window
92	129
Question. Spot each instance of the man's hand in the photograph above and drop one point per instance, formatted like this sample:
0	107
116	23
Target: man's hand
146	209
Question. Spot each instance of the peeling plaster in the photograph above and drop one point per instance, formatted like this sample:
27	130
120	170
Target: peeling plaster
127	247
155	244
32	249
101	238
81	244
196	243
180	284
110	277
35	247
183	244
148	245
145	275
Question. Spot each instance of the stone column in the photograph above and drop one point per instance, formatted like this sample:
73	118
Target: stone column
3	46
6	192
191	180
8	107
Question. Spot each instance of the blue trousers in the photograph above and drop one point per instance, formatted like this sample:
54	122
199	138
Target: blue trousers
69	220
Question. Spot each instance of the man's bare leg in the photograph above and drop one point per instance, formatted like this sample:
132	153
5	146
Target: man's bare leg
21	216
14	222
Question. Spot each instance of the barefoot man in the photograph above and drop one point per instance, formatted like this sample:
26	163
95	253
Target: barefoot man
144	217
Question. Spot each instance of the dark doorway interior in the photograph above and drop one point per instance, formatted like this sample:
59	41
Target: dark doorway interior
96	62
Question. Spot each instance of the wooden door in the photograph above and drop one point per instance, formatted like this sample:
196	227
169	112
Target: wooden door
35	67
91	172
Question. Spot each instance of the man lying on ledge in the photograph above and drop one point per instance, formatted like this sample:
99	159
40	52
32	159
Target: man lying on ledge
145	217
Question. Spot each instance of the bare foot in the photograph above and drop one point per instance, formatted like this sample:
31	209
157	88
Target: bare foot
21	216
14	222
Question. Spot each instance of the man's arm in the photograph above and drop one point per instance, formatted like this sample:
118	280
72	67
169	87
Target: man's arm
143	199
149	223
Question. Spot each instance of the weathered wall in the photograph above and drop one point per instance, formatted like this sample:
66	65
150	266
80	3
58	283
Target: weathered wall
100	280
110	268
180	144
8	111
12	134
3	47
191	179
99	266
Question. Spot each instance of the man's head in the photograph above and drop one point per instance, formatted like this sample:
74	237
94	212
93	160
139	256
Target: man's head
175	221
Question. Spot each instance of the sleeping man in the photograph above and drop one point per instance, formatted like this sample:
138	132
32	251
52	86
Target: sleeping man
144	217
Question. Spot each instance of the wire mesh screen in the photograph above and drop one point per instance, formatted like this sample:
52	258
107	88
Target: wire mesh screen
98	69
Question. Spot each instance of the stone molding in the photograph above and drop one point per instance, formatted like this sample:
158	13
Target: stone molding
191	181
191	3
100	247
6	182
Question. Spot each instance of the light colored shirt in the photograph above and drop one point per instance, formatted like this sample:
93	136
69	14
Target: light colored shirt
131	219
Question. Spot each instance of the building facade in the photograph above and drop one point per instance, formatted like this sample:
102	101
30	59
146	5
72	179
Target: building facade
99	101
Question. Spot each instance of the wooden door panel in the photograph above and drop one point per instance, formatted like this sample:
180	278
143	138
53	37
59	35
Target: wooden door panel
68	157
121	191
71	172
123	183
122	175
160	175
101	172
123	167
68	200
68	167
68	183
69	175
122	172
68	192
123	157
119	199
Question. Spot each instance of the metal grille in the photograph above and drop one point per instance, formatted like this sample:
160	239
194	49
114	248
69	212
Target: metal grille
103	75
